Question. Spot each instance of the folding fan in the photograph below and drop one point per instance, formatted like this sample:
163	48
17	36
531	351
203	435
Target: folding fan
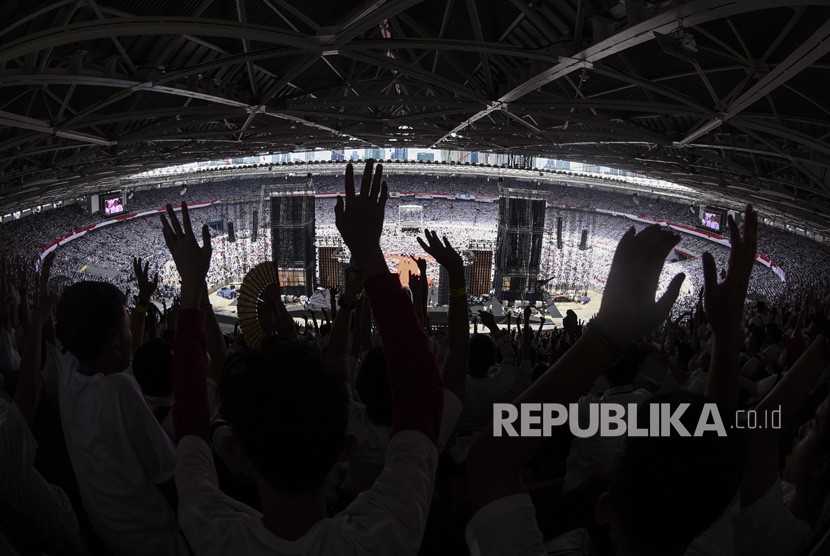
257	296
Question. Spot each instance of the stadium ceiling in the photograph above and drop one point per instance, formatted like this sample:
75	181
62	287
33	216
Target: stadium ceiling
725	96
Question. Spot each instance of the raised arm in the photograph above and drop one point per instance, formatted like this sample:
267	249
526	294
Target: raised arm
628	310
458	325
724	306
216	347
27	394
415	381
146	289
340	329
191	415
788	396
416	288
23	291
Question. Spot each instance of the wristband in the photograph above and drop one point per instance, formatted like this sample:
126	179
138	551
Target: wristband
605	340
459	292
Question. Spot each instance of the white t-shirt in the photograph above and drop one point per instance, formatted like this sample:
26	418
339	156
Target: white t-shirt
767	528
697	382
28	504
389	518
503	385
505	526
119	454
593	456
9	358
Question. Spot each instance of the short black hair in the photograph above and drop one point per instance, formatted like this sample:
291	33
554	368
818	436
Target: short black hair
482	355
668	490
153	368
89	316
288	408
626	369
372	384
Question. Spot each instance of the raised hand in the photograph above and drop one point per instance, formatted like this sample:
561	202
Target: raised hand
441	252
723	302
146	287
359	218
488	320
416	283
282	323
45	272
421	263
22	275
191	260
628	309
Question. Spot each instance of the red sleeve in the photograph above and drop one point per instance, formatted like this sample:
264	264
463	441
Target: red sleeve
415	380
190	408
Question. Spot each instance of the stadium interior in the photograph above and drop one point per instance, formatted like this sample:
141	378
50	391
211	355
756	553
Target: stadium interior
532	136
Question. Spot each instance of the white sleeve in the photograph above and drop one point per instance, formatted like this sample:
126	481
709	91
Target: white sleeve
521	378
9	358
151	444
505	526
449	418
205	513
390	517
767	528
766	384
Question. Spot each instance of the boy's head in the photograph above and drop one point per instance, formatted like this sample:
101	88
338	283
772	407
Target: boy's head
372	384
665	491
624	371
287	409
153	368
94	326
482	355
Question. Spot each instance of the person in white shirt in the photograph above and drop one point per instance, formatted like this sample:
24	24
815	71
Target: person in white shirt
119	452
32	512
287	412
769	524
594	456
489	383
664	491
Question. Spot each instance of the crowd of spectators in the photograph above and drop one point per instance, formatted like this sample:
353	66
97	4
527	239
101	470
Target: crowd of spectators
130	430
801	259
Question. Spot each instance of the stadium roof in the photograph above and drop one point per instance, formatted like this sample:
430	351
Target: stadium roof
725	96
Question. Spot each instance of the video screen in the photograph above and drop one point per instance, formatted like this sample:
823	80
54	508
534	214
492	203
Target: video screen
712	221
113	205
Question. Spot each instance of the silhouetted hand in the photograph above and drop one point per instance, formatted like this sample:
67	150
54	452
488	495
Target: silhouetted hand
442	252
146	287
723	302
191	260
488	320
628	309
359	218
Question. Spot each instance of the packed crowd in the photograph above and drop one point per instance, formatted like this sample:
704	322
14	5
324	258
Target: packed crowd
803	260
129	430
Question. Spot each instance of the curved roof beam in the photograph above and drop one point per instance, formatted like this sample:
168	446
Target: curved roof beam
686	14
135	26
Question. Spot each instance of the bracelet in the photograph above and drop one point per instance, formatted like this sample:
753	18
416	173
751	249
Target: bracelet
609	344
459	292
140	309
